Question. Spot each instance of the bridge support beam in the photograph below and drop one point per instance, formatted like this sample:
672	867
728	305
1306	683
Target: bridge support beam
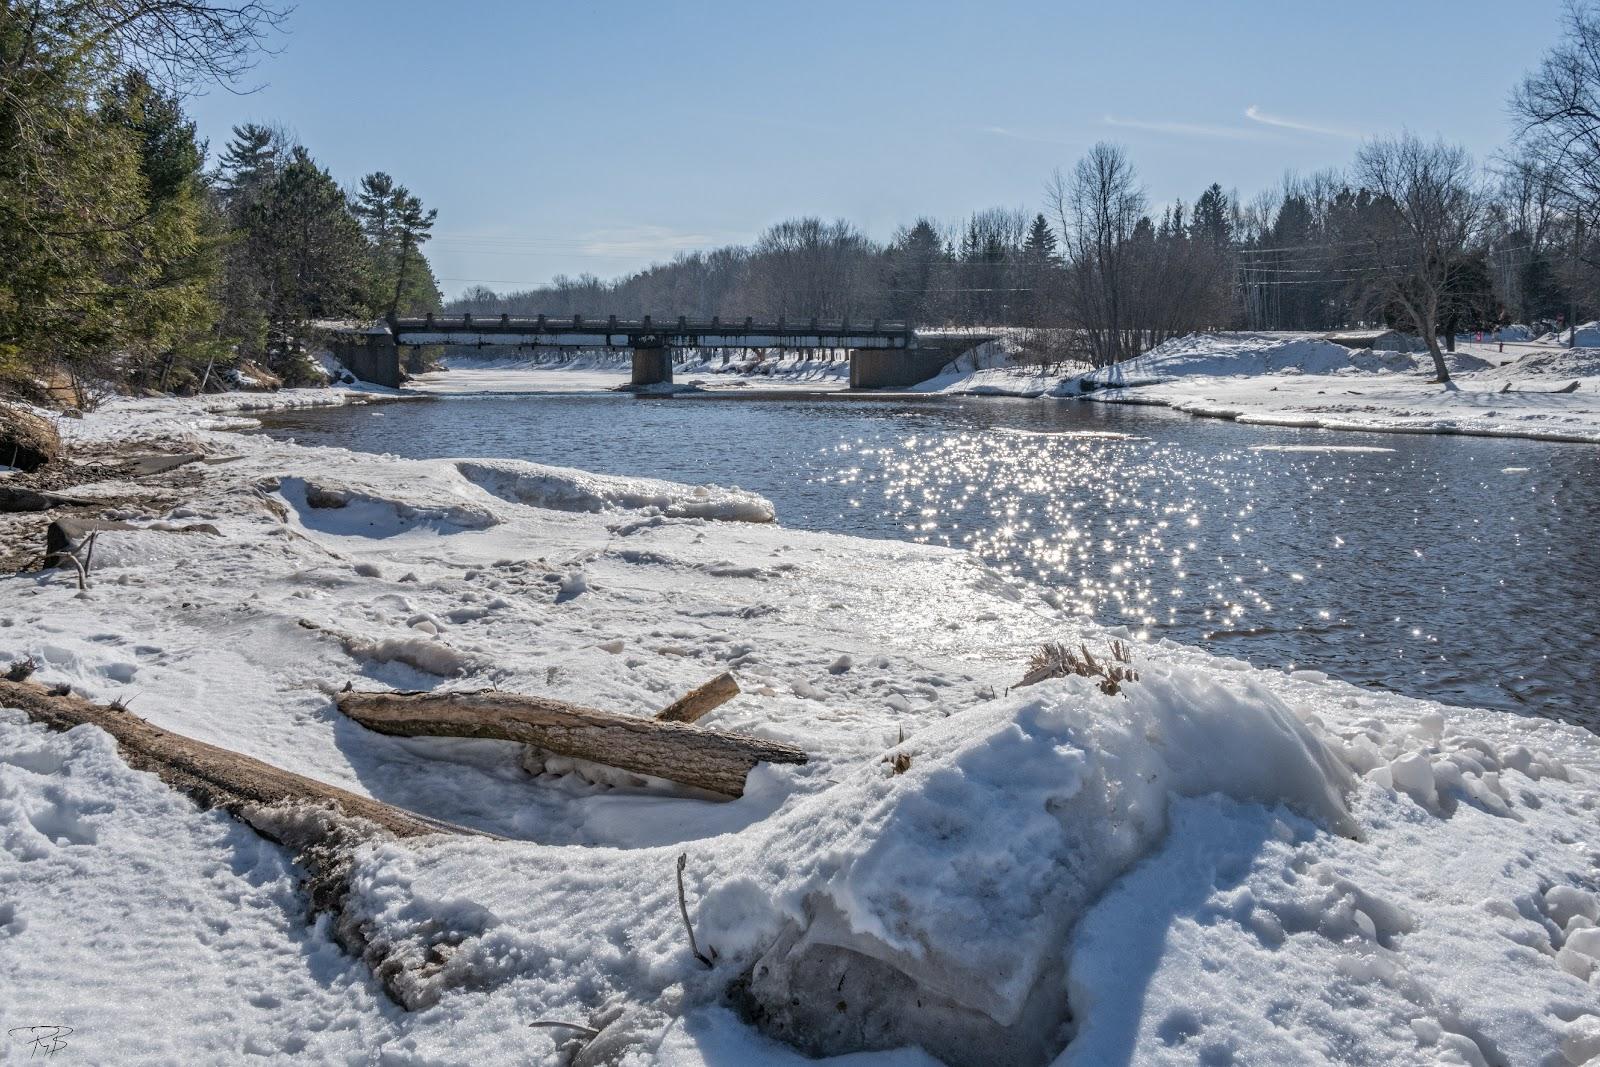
374	359
652	366
889	368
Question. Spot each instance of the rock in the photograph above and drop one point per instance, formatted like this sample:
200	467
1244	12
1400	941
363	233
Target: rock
27	441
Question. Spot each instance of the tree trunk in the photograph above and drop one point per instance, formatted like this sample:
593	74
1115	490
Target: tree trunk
399	279
706	759
1428	328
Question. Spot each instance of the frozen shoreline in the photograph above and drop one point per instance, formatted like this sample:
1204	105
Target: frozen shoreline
1445	878
1300	380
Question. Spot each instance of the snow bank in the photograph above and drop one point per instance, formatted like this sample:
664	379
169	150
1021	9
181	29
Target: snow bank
1227	355
967	872
567	489
1587	335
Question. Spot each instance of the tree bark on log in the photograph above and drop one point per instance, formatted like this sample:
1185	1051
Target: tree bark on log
689	755
694	704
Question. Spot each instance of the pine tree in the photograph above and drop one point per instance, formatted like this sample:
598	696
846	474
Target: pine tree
169	280
250	161
375	207
915	258
1212	220
411	229
310	251
1040	246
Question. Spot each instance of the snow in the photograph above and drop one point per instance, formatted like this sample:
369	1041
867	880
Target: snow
1586	335
1216	864
1303	380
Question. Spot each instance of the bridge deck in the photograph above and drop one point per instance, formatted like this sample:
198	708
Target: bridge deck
578	332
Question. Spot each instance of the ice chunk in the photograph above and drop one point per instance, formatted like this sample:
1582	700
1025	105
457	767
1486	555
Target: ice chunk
567	489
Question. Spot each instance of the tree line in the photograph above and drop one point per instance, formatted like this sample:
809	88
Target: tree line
1412	234
127	260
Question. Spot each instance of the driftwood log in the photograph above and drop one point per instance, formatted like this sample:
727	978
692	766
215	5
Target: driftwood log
320	823
694	704
215	777
689	755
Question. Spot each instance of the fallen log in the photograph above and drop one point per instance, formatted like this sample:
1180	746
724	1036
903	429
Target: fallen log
694	704
679	752
16	498
320	823
215	777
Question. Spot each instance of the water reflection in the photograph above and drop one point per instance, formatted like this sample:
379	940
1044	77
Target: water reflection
1448	567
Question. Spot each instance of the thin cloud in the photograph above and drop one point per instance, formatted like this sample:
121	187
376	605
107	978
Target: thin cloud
1187	129
1255	114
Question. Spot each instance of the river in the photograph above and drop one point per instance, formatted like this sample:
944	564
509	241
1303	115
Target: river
1460	569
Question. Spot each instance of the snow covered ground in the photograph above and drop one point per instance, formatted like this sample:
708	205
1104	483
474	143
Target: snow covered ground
1303	380
1215	864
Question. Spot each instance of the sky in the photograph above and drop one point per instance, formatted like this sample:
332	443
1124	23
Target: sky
597	137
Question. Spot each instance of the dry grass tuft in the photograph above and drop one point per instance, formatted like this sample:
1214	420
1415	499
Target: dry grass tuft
21	669
1056	660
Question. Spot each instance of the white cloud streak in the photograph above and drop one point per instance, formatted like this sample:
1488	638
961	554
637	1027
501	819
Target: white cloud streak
1255	114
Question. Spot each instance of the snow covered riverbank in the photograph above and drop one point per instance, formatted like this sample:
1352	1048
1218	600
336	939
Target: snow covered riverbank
1214	864
1304	380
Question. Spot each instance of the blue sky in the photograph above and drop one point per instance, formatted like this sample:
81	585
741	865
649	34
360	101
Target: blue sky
571	137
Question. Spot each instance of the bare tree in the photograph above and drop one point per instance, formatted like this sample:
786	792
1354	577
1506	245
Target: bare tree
1427	210
1557	108
1098	207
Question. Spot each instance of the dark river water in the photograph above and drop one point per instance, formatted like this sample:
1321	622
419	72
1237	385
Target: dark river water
1457	568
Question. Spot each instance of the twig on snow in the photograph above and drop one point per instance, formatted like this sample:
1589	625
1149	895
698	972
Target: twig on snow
557	1024
683	909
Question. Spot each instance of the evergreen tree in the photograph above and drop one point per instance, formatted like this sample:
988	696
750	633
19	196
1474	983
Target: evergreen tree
169	281
309	249
1213	218
1040	245
375	207
413	280
250	161
914	260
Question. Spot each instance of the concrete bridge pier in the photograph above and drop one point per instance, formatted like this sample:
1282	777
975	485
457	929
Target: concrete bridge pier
889	368
652	366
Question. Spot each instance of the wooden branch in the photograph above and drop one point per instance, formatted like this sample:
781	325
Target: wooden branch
694	704
214	777
706	759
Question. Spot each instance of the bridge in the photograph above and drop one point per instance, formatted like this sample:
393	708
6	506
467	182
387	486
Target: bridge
882	355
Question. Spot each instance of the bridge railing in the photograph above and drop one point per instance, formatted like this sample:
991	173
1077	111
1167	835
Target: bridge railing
649	324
